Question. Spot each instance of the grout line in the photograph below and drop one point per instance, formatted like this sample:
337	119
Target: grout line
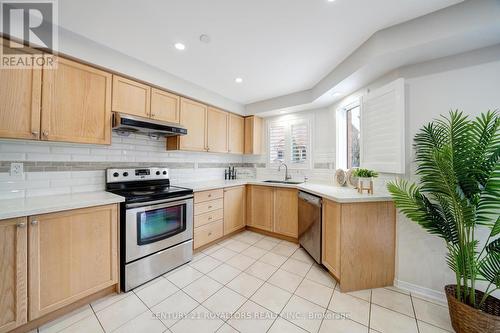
96	317
414	313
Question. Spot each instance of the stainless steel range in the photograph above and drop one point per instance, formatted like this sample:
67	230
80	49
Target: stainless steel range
156	223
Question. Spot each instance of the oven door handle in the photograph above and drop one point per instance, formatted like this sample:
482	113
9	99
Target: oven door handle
156	202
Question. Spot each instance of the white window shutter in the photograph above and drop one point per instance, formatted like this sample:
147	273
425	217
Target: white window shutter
277	143
383	129
299	135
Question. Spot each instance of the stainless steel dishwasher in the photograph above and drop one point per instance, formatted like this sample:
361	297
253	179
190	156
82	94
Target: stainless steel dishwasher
310	224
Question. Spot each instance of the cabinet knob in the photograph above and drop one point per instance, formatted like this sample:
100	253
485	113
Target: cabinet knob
210	233
210	218
209	207
34	222
153	115
21	225
45	133
34	133
210	195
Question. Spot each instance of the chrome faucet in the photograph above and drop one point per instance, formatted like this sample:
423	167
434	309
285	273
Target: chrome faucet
287	175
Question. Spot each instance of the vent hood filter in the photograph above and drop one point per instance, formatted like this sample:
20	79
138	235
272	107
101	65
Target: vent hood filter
124	123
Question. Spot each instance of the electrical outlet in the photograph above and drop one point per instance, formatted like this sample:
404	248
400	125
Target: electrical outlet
16	169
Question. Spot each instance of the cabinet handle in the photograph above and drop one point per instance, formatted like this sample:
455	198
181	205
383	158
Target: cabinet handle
153	115
209	207
34	133
210	195
34	222
210	218
21	225
45	133
210	233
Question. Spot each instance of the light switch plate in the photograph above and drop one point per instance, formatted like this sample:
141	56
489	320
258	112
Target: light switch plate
16	169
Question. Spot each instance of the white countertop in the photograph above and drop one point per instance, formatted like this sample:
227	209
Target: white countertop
11	208
327	191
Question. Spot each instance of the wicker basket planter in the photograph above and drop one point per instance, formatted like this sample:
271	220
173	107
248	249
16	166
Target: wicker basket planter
466	319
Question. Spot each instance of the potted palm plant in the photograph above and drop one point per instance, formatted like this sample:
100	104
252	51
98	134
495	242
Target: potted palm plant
459	192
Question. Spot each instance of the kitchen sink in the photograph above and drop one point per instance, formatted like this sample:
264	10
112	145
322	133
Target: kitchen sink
282	182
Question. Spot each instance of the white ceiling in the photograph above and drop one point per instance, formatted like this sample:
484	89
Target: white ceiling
277	46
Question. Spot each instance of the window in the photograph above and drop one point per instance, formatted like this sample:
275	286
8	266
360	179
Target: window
289	142
353	126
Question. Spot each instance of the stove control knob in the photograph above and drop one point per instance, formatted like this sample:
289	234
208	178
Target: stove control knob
116	174
157	173
125	174
164	172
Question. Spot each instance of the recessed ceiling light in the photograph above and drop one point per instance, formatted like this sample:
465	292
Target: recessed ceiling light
330	0
205	38
179	46
238	80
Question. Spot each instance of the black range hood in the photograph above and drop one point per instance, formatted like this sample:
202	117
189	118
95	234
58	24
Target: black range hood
126	124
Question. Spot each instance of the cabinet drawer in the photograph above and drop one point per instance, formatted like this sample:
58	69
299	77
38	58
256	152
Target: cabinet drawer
208	233
208	195
209	217
209	206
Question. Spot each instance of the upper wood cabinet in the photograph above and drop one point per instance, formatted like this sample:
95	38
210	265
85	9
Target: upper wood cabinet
194	117
76	104
13	274
286	211
131	97
165	106
331	237
20	92
260	204
253	135
217	130
236	134
72	254
234	208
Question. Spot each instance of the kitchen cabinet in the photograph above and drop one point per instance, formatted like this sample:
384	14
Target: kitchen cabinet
76	104
193	116
358	243
217	130
331	237
260	205
253	135
234	209
236	134
165	106
286	212
131	97
273	209
72	254
208	217
20	98
13	273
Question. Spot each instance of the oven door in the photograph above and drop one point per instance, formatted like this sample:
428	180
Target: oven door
155	226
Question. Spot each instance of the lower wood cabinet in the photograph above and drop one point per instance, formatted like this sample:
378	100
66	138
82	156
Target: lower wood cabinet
13	273
260	205
234	208
359	243
72	254
273	209
208	217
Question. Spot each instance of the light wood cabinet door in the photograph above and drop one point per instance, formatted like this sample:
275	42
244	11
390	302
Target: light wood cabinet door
234	208
131	97
76	104
217	131
193	117
72	254
165	106
20	92
260	204
331	246
13	273
236	134
286	212
253	135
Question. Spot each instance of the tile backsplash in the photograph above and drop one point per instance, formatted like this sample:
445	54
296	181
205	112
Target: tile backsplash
59	168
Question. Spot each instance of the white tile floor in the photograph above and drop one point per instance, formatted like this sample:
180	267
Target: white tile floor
254	283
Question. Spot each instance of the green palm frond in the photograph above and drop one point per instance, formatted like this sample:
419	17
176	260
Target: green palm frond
459	188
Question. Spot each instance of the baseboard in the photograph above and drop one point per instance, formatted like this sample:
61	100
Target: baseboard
438	296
